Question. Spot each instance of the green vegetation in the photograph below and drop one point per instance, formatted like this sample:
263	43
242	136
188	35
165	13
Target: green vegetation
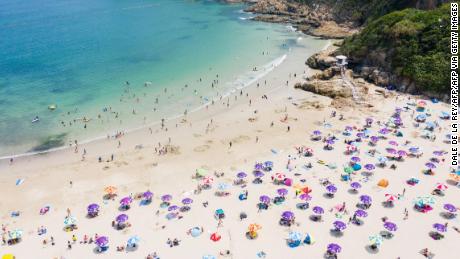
414	44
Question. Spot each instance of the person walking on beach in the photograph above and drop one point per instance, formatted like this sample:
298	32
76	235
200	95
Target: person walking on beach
230	144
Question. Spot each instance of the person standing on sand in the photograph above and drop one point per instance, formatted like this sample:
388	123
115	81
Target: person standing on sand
230	144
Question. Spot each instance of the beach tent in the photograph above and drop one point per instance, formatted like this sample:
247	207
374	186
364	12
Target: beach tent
309	239
8	256
383	183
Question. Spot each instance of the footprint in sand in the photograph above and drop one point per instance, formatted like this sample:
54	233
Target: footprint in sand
201	148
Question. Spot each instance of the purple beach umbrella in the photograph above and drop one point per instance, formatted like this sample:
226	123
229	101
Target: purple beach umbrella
148	195
384	131
92	208
241	175
355	185
340	225
348	128
440	227
330	142
393	143
282	192
287	215
374	139
173	208
450	208
334	248
187	201
331	188
305	197
361	213
369	167
102	241
360	135
402	153
430	165
392	151
258	174
366	199
438	153
318	210
166	198
390	226
264	199
259	166
121	218
126	201
317	133
355	159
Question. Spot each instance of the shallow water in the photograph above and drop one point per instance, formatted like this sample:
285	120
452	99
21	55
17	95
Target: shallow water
78	55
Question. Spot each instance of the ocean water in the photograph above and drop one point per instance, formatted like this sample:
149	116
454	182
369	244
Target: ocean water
80	55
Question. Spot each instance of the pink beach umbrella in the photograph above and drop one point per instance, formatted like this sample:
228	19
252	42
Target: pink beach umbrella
441	187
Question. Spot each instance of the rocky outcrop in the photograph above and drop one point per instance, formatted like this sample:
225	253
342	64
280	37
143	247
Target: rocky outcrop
332	88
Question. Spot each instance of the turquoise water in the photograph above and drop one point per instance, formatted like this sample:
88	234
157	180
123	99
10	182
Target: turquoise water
78	55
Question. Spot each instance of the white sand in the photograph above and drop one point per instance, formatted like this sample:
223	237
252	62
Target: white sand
47	183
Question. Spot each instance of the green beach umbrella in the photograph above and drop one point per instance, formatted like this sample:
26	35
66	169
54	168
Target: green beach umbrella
348	170
376	240
201	172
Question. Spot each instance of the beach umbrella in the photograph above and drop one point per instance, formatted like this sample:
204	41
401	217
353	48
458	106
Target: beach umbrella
148	195
384	131
376	240
264	199
366	199
133	241
196	231
393	143
173	208
110	190
288	215
93	208
126	201
390	197
282	192
330	142
369	167
361	213
317	133
455	176
70	220
241	175
414	150
222	186
390	226
122	218
374	139
305	197
331	188
201	172
166	198
450	208
15	234
268	164
171	215
392	151
295	236
355	185
348	170
8	256
254	227
425	200
441	186
318	210
259	166
258	174
356	167
209	257
208	180
215	237
187	201
355	159
402	153
360	135
280	176
102	241
440	227
382	159
309	150
348	128
369	120
438	153
430	165
350	148
334	248
340	225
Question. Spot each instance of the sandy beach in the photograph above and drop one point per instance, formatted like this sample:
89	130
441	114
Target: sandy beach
223	140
